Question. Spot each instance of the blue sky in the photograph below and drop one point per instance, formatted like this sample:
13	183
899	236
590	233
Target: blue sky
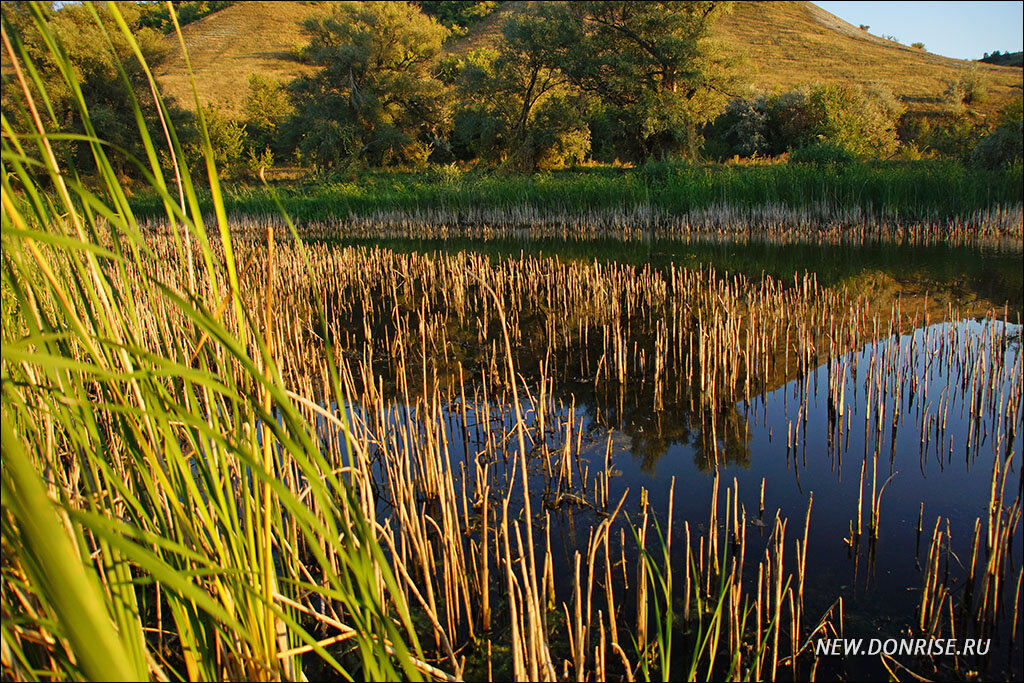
964	30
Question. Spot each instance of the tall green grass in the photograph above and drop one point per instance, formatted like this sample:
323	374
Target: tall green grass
912	190
147	529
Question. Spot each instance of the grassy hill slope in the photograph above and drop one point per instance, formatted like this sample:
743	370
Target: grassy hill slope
228	46
787	43
784	44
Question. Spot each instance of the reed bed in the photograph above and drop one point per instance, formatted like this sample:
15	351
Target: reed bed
999	226
228	455
456	427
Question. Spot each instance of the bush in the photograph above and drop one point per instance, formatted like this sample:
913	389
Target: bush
862	121
1004	146
969	89
947	136
229	140
1000	149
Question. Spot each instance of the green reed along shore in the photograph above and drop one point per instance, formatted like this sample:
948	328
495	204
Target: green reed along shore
911	190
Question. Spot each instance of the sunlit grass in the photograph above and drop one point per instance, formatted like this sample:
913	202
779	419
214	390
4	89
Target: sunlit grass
147	530
924	190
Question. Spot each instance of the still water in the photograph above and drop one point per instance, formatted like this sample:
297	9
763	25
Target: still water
921	438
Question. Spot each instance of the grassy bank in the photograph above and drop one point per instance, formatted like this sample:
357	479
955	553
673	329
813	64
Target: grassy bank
912	190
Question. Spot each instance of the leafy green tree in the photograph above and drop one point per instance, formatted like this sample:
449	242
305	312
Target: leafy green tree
457	15
267	108
522	110
374	100
95	47
657	74
860	122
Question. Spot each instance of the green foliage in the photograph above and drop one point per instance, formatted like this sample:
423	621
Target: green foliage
919	46
946	136
142	435
267	107
95	51
257	163
1004	58
522	110
1001	148
155	14
1004	146
374	101
928	189
228	139
457	15
861	122
651	66
968	90
822	154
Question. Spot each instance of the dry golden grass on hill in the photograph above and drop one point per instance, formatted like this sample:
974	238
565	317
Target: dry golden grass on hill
784	43
788	43
228	46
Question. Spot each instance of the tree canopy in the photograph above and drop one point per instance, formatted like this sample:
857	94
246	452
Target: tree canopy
652	66
374	99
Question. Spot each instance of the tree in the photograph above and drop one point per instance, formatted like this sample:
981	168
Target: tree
858	121
457	16
267	107
374	99
95	47
652	66
522	109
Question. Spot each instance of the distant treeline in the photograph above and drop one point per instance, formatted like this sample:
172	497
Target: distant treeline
565	84
1004	58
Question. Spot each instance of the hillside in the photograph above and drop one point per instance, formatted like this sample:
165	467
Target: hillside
783	43
787	43
228	46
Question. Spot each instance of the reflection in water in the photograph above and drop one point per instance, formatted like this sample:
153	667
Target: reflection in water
918	411
500	411
956	273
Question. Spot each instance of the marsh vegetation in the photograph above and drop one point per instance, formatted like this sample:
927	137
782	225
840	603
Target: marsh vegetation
547	436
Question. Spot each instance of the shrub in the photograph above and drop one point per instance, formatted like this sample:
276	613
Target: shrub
1001	148
862	121
1004	146
743	128
229	141
948	136
969	89
255	163
267	107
